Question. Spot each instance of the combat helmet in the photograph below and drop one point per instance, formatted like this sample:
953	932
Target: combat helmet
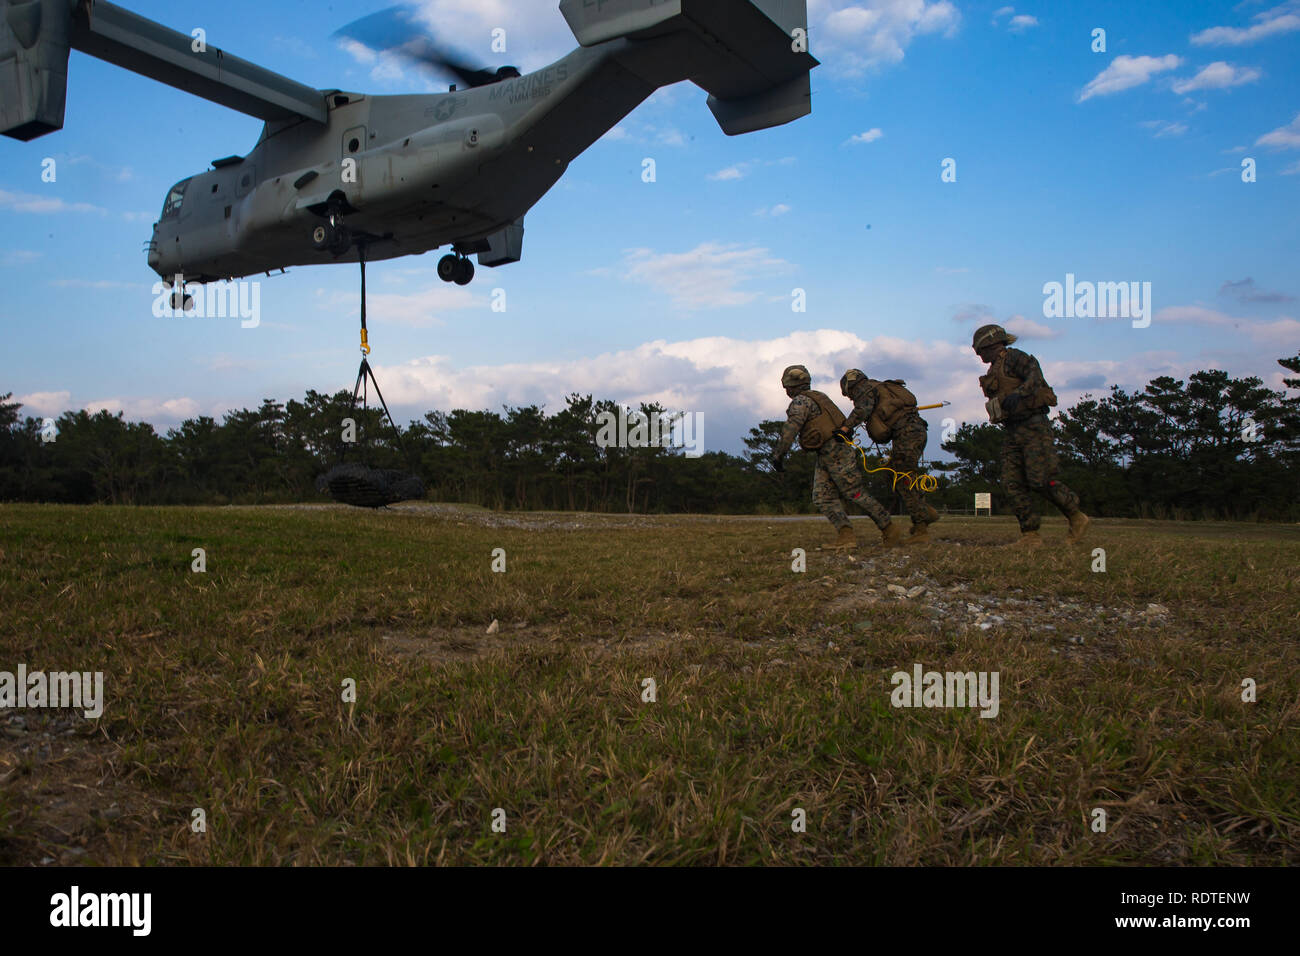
850	379
796	376
991	335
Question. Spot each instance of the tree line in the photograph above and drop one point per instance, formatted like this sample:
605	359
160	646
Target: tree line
1210	447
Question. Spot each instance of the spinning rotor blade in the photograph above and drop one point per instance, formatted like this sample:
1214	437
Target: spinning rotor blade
398	30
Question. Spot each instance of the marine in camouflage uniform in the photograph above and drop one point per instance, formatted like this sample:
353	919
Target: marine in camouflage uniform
837	480
1019	397
891	421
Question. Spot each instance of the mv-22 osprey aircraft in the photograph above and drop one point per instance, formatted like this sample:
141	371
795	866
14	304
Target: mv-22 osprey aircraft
337	176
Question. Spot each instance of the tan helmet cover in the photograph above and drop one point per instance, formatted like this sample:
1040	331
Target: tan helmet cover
991	335
795	376
851	378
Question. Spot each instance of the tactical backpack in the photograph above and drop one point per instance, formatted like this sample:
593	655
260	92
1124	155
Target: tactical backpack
893	401
818	430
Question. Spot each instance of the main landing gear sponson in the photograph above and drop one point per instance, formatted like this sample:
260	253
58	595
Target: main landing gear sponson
457	269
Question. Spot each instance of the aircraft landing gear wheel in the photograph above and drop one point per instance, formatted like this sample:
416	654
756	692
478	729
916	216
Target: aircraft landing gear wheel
181	302
333	235
448	268
464	272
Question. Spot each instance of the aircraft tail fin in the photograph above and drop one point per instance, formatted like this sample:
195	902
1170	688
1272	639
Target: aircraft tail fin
750	55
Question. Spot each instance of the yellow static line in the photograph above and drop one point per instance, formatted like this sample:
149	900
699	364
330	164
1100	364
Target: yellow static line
927	483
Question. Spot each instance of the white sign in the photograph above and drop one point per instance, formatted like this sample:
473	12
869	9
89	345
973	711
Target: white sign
984	499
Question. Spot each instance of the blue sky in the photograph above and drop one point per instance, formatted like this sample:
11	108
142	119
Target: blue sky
1123	165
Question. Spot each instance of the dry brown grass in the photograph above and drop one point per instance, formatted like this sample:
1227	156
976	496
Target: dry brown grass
224	691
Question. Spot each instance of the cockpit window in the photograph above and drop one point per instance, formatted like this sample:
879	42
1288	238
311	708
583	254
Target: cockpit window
172	207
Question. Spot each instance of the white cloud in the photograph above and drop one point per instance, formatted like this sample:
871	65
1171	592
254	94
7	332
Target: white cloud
18	257
120	174
1021	23
152	410
1281	333
1284	137
423	308
780	209
870	136
708	276
1003	12
1235	149
536	35
1217	76
1028	329
633	130
44	404
735	382
742	169
975	314
1292	170
669	136
1164	128
1072	378
737	171
359	51
29	202
856	38
1272	22
1126	72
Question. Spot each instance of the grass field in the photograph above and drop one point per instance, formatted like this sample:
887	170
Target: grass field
1119	690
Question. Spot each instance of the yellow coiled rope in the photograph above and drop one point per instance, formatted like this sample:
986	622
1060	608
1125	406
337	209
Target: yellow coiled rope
927	483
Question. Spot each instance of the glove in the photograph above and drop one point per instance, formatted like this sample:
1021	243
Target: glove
1010	403
844	434
777	462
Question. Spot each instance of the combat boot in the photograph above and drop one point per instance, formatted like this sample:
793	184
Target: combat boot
1078	525
891	535
920	533
845	540
1027	539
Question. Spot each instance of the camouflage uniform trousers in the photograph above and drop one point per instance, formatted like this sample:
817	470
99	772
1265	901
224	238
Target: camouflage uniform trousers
837	480
1029	463
910	437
